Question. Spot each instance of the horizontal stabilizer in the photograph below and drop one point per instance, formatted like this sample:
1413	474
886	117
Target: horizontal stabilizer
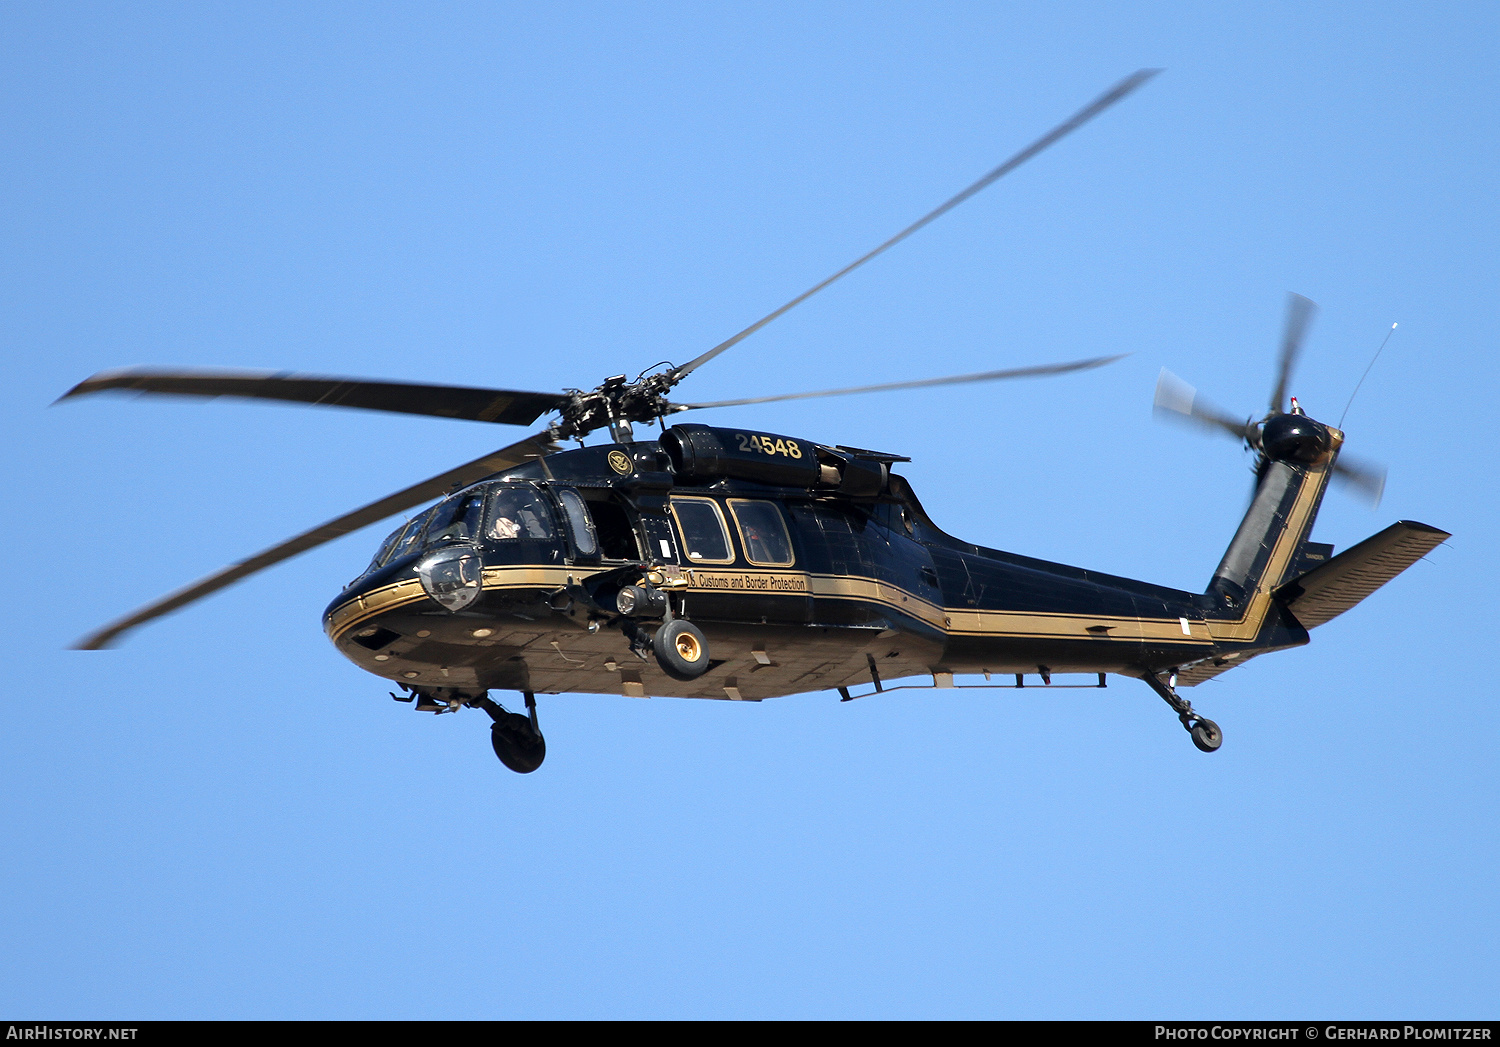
1326	592
1208	668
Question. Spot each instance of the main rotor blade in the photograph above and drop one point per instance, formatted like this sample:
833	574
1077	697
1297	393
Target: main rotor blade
1367	479
443	401
478	469
1077	120
922	383
1299	313
1174	397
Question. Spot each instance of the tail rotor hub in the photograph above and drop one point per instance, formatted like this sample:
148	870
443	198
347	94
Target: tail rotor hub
1295	438
1287	435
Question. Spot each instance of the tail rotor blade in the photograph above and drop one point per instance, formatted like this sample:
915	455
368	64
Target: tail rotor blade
1176	399
1299	314
1365	479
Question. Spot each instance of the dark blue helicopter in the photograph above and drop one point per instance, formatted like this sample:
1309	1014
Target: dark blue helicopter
741	565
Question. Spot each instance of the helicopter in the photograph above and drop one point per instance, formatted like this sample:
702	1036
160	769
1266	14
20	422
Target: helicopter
740	565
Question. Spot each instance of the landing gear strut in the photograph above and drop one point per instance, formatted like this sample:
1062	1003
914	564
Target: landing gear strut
1206	734
517	739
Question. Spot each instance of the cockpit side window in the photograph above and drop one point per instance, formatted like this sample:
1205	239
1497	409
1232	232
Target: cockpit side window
580	525
518	512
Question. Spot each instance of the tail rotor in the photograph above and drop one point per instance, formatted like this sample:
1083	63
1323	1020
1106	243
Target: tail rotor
1178	400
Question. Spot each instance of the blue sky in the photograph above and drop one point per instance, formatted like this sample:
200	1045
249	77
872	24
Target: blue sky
225	819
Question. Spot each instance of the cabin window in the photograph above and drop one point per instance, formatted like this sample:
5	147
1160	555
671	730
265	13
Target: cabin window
579	523
518	512
762	532
701	524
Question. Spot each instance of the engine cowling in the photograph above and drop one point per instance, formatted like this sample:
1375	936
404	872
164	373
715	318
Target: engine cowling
701	452
706	453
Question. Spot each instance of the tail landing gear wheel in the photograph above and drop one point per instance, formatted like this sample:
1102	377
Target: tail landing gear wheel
1206	735
681	650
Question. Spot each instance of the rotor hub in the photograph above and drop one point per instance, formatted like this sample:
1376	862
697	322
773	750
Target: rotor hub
617	404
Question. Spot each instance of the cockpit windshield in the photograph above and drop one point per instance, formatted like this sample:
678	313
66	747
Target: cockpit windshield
514	511
518	512
401	540
455	520
384	552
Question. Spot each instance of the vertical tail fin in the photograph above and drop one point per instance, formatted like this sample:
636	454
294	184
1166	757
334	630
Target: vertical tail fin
1298	456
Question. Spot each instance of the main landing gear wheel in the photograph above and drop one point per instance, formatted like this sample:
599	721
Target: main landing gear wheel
1206	735
681	650
517	739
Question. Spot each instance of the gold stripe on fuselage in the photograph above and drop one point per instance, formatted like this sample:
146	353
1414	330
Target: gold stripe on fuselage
973	622
361	608
956	621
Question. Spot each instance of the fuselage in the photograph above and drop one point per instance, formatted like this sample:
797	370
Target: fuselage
511	584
